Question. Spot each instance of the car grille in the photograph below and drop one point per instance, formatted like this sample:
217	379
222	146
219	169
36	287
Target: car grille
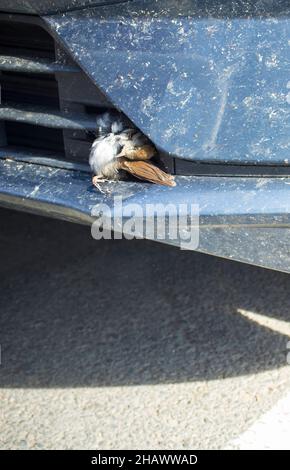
48	106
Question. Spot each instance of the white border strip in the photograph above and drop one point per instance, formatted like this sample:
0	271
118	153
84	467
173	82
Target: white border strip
270	432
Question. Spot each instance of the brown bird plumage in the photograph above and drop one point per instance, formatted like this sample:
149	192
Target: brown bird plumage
144	152
127	149
146	171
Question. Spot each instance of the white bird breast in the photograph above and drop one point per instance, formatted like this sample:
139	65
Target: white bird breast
103	152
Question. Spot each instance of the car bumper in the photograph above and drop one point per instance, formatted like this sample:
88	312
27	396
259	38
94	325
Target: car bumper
243	219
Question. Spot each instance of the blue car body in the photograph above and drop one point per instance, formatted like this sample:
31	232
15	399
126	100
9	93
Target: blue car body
207	81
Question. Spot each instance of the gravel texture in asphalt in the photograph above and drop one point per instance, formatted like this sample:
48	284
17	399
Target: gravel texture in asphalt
132	344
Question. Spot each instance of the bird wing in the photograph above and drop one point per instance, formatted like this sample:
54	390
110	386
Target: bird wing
146	171
137	153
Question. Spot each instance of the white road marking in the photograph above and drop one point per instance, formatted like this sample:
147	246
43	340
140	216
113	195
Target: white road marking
280	326
270	432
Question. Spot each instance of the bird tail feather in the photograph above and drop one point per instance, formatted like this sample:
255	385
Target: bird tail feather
147	171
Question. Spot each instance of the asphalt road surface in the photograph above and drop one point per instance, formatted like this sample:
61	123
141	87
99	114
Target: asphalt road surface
131	344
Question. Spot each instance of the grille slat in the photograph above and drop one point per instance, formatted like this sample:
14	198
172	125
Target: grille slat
39	116
33	65
47	103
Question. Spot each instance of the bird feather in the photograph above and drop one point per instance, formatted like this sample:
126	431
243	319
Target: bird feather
146	171
119	146
137	153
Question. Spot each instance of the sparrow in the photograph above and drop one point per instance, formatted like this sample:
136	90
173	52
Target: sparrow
121	148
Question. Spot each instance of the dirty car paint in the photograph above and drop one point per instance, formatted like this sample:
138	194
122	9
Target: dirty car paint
244	219
206	81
